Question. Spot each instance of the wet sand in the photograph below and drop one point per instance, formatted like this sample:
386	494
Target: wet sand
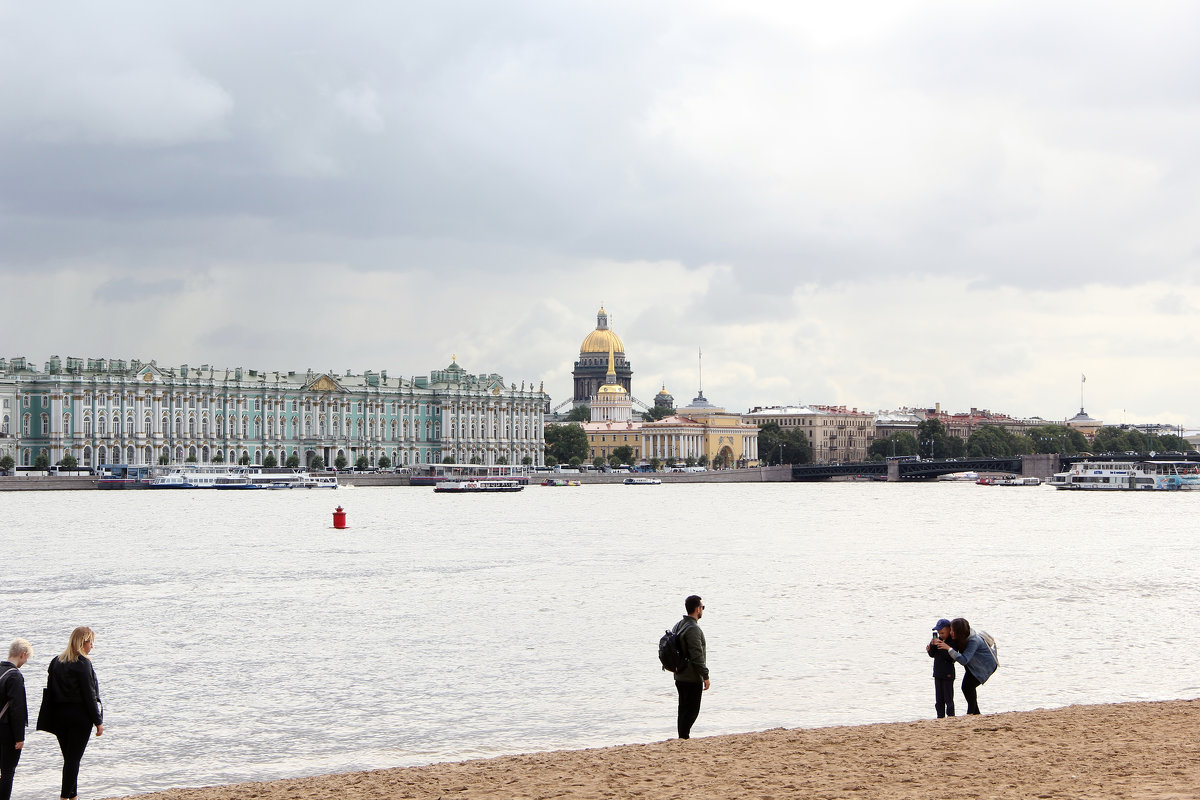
1129	750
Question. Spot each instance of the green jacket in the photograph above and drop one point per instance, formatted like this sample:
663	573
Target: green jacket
691	642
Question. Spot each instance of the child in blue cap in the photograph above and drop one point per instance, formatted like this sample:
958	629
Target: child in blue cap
943	670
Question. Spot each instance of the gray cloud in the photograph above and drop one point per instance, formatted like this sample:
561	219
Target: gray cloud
736	168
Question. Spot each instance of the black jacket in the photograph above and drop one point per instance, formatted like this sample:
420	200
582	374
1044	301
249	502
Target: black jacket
943	662
74	682
695	650
12	689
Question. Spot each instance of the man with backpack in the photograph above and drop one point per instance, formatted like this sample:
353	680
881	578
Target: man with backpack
691	678
14	715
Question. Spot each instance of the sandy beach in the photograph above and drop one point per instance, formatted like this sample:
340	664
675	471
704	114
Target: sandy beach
1130	750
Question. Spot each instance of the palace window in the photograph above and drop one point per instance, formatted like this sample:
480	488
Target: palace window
45	424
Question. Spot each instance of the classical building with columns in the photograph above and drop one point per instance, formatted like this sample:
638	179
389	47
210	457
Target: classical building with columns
702	430
106	411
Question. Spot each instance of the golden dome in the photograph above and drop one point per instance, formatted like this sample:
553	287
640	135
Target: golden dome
602	340
598	341
611	388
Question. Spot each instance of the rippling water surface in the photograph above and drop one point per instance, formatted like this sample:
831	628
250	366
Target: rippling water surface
240	638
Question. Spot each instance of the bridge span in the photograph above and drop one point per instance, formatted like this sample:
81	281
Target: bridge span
1041	466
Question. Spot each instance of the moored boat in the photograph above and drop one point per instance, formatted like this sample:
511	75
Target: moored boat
560	482
642	481
1148	474
480	485
1011	480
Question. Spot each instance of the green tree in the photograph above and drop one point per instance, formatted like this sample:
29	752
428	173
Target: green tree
1057	439
623	454
598	462
702	461
502	460
565	442
42	461
68	462
476	460
936	442
575	461
579	414
244	459
994	441
293	461
164	459
655	413
549	460
340	462
7	463
719	461
779	446
655	464
527	461
384	462
270	462
190	460
316	463
218	457
449	460
690	461
362	462
900	443
1172	442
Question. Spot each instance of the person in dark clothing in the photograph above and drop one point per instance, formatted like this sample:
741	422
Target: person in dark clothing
692	680
943	670
76	696
14	713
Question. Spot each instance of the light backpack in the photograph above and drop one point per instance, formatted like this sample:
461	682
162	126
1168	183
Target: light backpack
991	643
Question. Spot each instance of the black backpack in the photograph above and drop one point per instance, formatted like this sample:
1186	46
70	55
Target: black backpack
670	652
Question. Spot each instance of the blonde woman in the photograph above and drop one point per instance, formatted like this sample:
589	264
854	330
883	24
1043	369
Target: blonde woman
76	695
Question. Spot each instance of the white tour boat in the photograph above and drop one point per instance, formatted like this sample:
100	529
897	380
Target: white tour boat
1131	475
642	481
480	485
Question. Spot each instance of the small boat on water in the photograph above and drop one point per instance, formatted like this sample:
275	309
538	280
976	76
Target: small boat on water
959	476
480	485
560	482
1149	474
1011	480
642	481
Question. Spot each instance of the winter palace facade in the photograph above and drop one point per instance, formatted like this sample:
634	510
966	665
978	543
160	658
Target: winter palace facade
105	411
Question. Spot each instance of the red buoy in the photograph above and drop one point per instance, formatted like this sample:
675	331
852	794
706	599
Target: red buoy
339	518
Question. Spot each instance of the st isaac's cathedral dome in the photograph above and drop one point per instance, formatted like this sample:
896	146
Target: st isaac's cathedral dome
603	338
590	373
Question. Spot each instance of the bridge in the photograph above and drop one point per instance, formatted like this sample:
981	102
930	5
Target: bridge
927	469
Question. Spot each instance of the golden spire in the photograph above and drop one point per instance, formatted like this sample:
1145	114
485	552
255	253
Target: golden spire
611	377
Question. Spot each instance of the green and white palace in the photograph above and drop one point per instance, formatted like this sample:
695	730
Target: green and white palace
109	411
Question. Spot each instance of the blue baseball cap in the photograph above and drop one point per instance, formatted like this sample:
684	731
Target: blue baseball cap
942	623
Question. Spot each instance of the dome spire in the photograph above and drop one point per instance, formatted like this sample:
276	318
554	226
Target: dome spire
611	376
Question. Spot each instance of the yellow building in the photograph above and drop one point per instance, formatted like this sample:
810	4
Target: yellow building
702	431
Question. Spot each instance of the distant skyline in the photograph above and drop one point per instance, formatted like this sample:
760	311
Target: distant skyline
879	205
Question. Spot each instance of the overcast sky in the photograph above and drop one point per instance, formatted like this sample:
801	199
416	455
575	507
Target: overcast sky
874	204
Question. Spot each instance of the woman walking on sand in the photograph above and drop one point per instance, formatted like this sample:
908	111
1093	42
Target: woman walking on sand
76	696
969	649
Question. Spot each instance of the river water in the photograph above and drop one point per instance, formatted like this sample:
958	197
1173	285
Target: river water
240	637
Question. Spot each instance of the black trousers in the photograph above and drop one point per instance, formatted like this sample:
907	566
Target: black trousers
9	756
943	701
969	685
690	695
74	731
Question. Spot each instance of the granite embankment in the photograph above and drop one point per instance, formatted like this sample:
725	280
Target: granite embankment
755	475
